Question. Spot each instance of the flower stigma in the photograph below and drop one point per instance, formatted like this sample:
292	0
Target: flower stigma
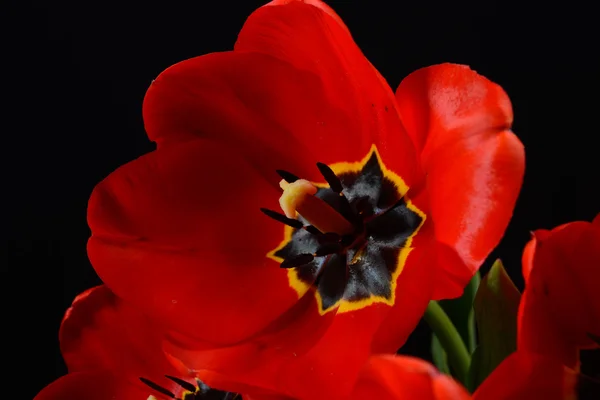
299	197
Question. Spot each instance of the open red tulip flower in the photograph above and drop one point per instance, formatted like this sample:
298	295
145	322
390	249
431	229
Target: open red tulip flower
113	351
296	215
560	308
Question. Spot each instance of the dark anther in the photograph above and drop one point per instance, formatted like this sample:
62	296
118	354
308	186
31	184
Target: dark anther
294	223
362	207
298	261
158	388
334	182
312	229
348	213
329	238
287	176
347	240
184	384
327	249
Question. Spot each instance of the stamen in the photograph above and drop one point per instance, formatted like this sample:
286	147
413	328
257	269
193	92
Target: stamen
312	229
184	384
336	185
297	261
332	180
329	238
158	388
327	249
300	197
294	223
287	176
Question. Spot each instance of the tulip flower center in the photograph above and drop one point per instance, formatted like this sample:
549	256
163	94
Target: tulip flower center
189	391
348	238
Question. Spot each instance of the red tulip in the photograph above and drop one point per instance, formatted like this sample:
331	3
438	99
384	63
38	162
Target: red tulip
560	308
428	179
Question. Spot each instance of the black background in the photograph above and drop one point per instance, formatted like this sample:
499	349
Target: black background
77	74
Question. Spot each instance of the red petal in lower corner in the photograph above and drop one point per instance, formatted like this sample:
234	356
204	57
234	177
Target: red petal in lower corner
311	37
526	376
562	283
460	122
388	377
327	369
91	385
100	331
179	234
538	331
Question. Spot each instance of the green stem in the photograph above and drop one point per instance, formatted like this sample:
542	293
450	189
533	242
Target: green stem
450	339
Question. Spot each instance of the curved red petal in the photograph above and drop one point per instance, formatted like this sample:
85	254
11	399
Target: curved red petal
388	377
525	376
563	283
312	38
460	122
258	105
538	331
414	289
100	331
179	233
327	369
91	385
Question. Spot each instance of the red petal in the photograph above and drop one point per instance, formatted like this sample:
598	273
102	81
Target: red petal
91	385
179	234
388	377
312	38
100	331
260	106
562	292
324	370
526	376
538	331
460	122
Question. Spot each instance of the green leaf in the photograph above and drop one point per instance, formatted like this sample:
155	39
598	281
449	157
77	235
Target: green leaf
460	311
440	358
496	306
476	371
459	358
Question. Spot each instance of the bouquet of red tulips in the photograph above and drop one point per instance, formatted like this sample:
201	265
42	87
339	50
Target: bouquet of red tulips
298	219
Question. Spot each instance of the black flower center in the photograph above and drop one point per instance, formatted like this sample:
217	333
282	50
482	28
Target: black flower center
353	270
190	391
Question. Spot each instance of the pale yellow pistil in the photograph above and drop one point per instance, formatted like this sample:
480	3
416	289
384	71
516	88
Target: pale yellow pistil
299	197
